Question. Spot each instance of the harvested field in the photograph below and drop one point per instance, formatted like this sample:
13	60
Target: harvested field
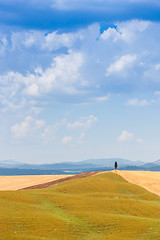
146	179
17	182
60	180
99	207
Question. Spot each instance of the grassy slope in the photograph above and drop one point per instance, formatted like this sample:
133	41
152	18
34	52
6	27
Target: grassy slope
100	207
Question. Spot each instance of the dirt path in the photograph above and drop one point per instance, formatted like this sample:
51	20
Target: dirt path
48	184
8	183
148	180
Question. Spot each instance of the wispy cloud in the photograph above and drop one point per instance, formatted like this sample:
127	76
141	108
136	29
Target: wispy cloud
81	137
102	99
137	103
84	122
20	130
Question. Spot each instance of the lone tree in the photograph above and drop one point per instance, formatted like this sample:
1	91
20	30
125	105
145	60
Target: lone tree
115	165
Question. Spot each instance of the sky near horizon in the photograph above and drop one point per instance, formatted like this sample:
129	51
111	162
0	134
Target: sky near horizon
79	79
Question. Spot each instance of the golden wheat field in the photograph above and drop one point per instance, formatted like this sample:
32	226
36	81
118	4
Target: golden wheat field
17	182
148	180
99	207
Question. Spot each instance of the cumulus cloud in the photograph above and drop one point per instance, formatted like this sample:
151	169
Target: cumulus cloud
66	139
63	75
125	136
84	122
81	68
43	41
121	64
125	31
111	33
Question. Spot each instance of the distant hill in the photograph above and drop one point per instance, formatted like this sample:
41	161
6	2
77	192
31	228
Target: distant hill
109	162
11	167
152	166
9	162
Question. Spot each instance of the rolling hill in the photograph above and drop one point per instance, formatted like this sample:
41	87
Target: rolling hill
100	207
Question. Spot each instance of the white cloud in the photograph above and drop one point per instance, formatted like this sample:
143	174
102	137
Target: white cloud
33	90
54	41
66	139
125	31
82	67
28	125
84	122
121	64
125	136
63	75
111	33
11	106
102	99
20	130
137	103
131	30
44	41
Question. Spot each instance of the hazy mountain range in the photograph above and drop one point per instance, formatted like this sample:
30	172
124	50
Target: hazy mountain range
11	167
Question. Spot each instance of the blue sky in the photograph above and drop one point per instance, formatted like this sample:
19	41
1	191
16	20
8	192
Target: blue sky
79	79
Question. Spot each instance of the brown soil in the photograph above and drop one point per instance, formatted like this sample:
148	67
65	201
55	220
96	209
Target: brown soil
48	184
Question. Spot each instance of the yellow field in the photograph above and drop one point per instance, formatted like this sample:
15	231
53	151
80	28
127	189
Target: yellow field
146	179
100	207
18	182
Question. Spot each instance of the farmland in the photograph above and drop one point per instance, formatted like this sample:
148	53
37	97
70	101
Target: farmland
147	179
99	207
18	182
